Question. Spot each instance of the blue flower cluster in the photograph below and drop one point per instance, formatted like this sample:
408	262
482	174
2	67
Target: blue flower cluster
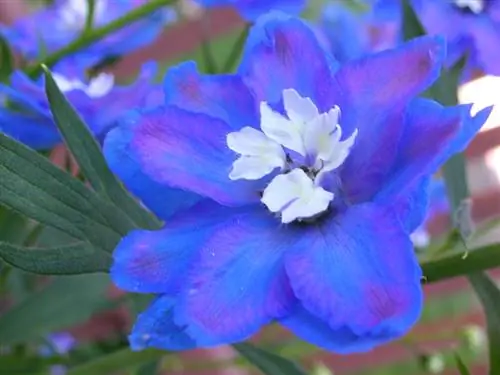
289	189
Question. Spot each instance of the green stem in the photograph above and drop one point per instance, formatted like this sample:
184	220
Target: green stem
90	16
97	34
235	54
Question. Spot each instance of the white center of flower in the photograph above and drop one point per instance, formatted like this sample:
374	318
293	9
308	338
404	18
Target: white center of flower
305	145
74	13
475	6
97	87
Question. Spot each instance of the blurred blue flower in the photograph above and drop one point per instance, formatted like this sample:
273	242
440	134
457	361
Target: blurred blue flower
55	26
252	9
468	25
438	204
353	33
26	114
58	343
309	177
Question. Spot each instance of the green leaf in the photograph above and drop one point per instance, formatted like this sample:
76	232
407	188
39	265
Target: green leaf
68	300
461	365
6	60
234	57
489	295
268	363
412	27
71	259
90	159
456	264
33	186
15	364
118	361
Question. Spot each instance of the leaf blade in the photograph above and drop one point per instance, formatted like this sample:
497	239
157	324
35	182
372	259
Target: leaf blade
74	259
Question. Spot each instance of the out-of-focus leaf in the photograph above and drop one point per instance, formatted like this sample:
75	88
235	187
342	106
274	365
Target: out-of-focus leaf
90	159
489	294
461	365
68	300
234	57
456	264
33	186
13	364
412	27
118	361
150	368
6	60
268	363
12	226
72	259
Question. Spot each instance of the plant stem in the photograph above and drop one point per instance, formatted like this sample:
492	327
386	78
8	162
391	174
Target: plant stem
97	34
90	16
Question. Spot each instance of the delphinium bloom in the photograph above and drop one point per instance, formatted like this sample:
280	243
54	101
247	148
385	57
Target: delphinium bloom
25	114
310	176
352	33
252	9
471	25
438	204
53	27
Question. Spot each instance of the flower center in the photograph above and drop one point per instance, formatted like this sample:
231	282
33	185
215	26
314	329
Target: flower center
473	6
73	13
305	146
97	87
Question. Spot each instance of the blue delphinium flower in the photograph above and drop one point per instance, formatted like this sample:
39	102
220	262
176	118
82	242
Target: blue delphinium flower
252	9
309	177
438	204
26	114
354	33
53	27
60	343
471	25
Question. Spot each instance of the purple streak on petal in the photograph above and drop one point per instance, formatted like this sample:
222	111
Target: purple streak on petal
372	94
155	328
158	261
181	150
221	96
238	282
282	52
357	271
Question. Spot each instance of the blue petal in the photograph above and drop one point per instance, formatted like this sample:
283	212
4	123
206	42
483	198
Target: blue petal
282	52
158	261
34	131
357	272
252	9
372	93
156	328
433	134
221	96
238	282
180	150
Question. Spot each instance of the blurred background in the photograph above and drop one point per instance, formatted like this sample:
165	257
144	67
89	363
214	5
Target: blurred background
84	325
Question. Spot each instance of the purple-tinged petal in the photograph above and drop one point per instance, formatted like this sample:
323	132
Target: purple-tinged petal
433	133
181	150
357	272
341	340
223	96
372	94
238	281
282	52
486	35
158	261
156	328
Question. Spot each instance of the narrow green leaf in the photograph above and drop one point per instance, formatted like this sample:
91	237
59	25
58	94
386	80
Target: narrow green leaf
118	361
89	21
33	186
68	300
6	60
90	159
452	265
15	364
268	363
232	60
412	27
461	365
489	294
72	259
208	58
